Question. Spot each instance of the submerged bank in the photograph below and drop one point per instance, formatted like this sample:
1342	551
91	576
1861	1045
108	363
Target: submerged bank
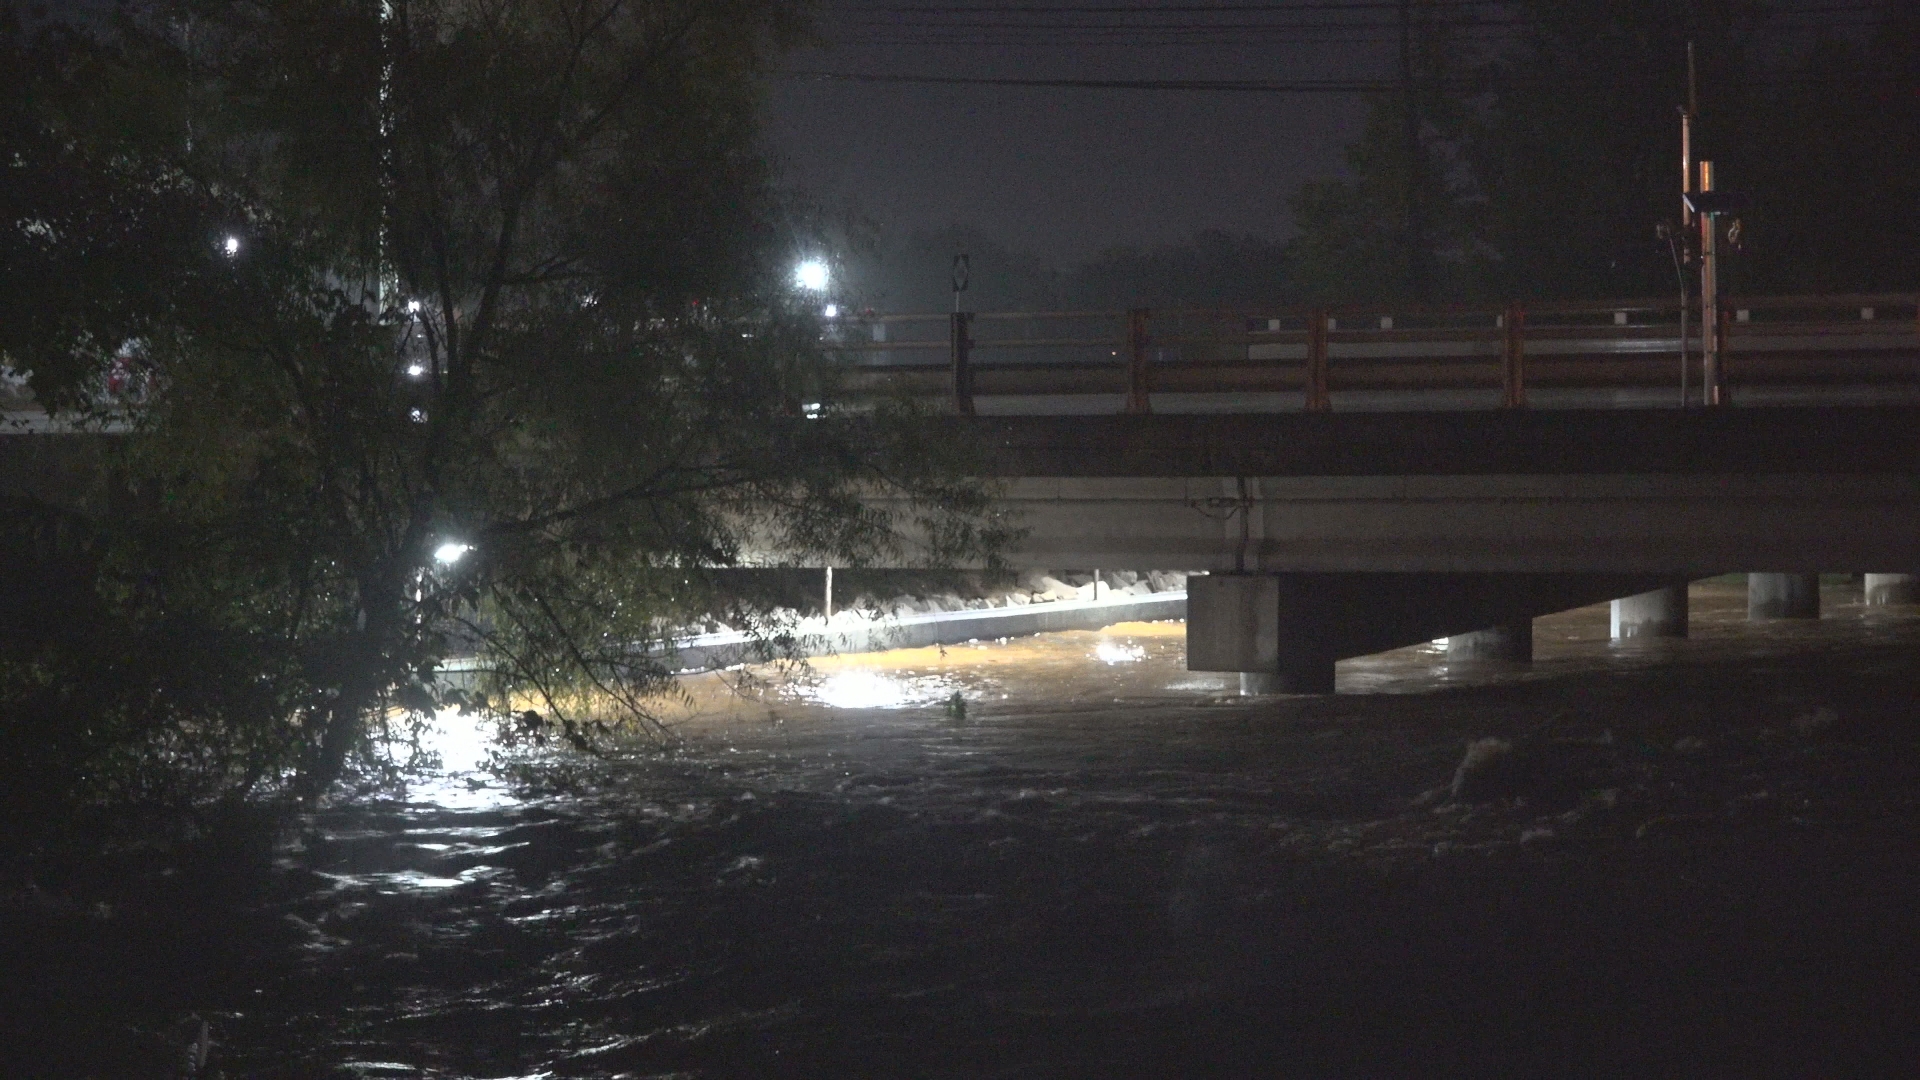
1106	865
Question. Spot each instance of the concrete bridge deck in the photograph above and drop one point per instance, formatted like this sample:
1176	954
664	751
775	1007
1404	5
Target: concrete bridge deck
1693	492
1329	535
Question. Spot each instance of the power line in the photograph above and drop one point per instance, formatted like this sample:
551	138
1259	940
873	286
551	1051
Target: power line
1251	86
1118	9
1425	6
1265	86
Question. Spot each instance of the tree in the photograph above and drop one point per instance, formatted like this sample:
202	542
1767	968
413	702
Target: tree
915	274
1829	166
1211	270
1397	227
1540	170
474	333
1576	151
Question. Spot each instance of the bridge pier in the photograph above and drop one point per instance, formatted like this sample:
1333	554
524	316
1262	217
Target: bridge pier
1660	613
1893	589
1271	628
1282	632
1507	641
1783	596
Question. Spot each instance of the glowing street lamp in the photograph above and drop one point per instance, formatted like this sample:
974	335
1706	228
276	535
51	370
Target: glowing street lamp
812	275
230	246
450	552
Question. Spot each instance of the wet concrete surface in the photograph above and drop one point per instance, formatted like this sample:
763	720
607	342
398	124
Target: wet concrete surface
1697	858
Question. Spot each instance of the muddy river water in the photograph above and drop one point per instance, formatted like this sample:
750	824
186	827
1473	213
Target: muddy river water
1105	865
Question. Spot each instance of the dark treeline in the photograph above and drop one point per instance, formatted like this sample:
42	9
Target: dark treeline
416	331
1547	178
1541	170
915	274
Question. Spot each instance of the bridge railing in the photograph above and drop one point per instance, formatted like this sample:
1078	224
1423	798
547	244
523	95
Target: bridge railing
1366	356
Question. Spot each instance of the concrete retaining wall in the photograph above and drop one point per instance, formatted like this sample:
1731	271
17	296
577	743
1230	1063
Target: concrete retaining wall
709	651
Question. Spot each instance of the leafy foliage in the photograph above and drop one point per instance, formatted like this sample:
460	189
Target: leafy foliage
461	327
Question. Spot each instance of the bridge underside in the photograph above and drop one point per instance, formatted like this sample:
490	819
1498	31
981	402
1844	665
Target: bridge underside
1661	492
1621	524
1330	536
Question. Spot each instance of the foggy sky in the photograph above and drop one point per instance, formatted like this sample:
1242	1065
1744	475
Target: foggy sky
1064	172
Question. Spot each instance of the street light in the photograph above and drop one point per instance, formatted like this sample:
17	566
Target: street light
231	246
450	552
812	275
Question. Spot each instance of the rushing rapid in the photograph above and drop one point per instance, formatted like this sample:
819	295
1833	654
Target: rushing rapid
1069	856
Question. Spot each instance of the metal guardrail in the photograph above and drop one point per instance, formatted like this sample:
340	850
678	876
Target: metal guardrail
1865	340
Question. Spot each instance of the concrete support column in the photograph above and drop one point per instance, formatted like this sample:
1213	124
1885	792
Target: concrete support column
1281	632
1506	641
1783	596
1893	589
1273	630
1660	613
1255	683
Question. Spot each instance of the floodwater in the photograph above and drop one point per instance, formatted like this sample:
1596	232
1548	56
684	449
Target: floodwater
1068	856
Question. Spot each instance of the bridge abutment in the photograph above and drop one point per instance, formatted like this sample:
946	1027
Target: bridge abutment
1893	589
1783	596
1659	613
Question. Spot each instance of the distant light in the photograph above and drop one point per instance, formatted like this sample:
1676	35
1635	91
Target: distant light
418	416
831	311
812	275
413	307
231	245
810	410
449	553
416	370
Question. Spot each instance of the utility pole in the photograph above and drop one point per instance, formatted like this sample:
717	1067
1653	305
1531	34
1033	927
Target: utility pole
386	136
1712	324
1687	114
1704	206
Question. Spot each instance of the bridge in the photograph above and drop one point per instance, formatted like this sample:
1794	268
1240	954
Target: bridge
1367	531
1356	479
1343	481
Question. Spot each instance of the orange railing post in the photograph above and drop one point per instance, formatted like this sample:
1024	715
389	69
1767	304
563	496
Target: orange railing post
1317	400
1139	377
1514	358
962	347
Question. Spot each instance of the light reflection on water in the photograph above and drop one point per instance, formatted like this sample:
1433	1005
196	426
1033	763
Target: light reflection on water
833	851
875	690
1146	662
1127	663
461	746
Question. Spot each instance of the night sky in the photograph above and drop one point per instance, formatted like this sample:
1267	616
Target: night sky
1066	172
